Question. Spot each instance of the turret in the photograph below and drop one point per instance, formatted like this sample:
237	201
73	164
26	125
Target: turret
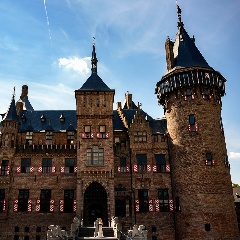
190	92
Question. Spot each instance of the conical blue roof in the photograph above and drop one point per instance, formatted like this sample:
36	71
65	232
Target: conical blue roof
11	113
186	54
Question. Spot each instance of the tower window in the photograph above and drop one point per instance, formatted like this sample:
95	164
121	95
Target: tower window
192	125
206	94
95	156
102	131
87	129
209	159
188	95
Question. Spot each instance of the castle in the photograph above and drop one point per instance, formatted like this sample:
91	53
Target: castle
170	174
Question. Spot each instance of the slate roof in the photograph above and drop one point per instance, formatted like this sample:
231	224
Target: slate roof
94	83
186	54
52	120
26	104
11	113
117	122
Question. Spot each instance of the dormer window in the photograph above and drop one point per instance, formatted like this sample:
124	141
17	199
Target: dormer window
43	118
62	118
23	118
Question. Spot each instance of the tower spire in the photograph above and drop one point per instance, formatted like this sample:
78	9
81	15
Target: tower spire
179	12
94	58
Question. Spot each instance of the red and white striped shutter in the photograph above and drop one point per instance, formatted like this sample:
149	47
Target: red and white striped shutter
185	98
0	169
137	205
8	170
193	96
74	205
31	169
83	135
171	209
157	205
209	97
154	167
75	169
61	205
206	162
29	206
53	169
51	205
4	205
18	169
40	169
213	162
168	168
98	135
150	202
127	168
149	168
62	169
92	135
189	128
196	127
135	168
107	134
15	205
37	205
119	169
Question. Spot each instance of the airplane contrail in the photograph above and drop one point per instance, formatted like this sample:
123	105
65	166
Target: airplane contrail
49	32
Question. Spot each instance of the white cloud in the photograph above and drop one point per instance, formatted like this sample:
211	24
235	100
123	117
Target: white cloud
234	155
80	65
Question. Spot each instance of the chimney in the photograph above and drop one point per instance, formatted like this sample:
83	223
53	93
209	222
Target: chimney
24	92
169	54
128	100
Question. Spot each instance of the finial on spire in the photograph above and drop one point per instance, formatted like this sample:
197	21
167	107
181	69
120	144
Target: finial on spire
179	12
94	58
14	89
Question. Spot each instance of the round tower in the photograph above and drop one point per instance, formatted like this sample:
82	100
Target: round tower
190	92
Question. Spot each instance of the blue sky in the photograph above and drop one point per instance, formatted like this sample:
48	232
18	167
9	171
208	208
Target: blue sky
47	45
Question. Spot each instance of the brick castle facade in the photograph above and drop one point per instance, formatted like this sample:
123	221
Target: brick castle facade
171	174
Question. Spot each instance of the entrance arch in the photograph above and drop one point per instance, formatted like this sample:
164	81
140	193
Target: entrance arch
95	204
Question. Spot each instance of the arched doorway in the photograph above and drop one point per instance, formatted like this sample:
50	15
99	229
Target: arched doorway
95	204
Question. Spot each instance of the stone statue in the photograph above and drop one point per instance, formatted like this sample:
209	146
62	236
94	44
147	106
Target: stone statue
96	228
139	232
114	221
55	232
100	231
74	227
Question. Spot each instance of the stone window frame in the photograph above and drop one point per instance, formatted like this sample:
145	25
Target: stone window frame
68	197
140	136
163	197
143	200
95	156
23	196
